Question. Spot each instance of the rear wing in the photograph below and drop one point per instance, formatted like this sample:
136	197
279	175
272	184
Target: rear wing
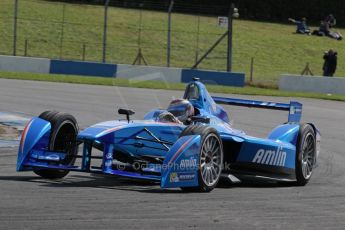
294	108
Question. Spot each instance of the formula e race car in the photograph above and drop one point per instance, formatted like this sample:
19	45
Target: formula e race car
191	153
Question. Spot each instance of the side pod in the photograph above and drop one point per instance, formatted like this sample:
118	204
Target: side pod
36	132
180	167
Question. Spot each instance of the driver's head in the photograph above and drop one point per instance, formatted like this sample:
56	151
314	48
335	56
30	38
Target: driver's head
182	109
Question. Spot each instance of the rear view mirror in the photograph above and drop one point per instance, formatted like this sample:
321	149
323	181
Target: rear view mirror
126	112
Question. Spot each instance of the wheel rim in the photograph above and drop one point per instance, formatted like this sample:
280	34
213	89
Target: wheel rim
211	160
308	155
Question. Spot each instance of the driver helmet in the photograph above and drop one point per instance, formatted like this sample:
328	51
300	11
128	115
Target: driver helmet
182	109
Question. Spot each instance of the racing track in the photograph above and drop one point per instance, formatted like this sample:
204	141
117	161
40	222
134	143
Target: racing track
84	201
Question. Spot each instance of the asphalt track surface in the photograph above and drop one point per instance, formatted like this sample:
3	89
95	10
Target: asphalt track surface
84	201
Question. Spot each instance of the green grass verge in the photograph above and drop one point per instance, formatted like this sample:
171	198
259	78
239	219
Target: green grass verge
275	47
248	90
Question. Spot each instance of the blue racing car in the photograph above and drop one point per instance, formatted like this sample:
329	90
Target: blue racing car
190	145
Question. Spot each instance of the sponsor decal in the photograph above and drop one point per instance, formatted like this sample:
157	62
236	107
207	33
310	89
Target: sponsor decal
173	177
270	157
180	177
186	176
188	163
268	104
109	156
52	157
108	163
294	110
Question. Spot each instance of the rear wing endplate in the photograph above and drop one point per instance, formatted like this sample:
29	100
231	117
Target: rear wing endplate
294	108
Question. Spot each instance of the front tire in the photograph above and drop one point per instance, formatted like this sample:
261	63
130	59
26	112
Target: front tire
64	131
306	154
210	157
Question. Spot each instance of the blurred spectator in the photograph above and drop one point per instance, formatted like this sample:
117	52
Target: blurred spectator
302	27
331	21
324	30
330	63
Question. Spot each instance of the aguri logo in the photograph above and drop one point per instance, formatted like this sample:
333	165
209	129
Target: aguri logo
270	157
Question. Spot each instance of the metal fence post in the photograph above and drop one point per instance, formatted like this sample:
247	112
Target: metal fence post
229	61
251	69
26	48
15	27
140	26
169	32
197	40
84	52
62	28
105	30
233	13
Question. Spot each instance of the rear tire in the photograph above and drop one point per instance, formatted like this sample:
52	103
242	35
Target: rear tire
64	131
210	157
306	154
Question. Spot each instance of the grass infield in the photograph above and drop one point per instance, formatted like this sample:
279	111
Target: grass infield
276	48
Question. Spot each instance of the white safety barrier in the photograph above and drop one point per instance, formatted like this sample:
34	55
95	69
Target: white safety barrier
317	84
24	64
148	73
